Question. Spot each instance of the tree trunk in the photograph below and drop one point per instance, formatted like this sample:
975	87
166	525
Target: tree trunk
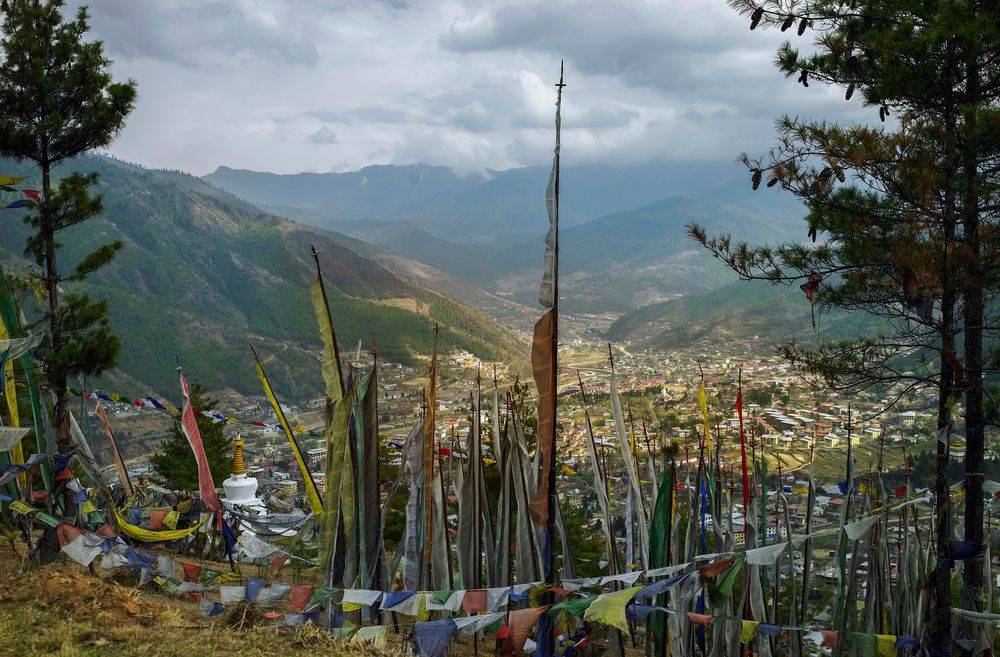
57	380
972	573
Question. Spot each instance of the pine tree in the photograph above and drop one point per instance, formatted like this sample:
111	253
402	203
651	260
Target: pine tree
174	463
57	101
903	212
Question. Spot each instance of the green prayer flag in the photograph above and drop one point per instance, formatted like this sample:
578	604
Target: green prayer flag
659	548
721	591
43	517
864	643
573	606
441	597
321	594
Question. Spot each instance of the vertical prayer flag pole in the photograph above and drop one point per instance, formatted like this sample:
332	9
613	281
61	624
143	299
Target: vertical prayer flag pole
428	458
544	362
331	352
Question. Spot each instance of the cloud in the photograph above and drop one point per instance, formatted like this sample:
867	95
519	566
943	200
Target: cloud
464	83
206	33
324	135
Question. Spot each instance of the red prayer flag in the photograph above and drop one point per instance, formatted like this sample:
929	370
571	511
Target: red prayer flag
701	620
156	517
300	595
189	425
106	531
543	360
474	601
521	622
191	571
119	461
715	568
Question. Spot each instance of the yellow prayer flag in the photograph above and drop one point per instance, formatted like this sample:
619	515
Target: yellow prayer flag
568	470
330	366
20	508
11	180
488	461
609	608
703	406
10	392
170	520
885	645
748	632
88	507
312	494
148	535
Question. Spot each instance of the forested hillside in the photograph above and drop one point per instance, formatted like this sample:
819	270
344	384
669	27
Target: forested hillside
203	275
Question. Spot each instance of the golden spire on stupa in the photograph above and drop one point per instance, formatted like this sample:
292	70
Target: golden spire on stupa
239	465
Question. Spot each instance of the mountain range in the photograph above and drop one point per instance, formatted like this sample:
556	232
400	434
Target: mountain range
623	240
212	265
504	206
204	274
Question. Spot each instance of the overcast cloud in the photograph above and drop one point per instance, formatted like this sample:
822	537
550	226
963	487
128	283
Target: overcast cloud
320	85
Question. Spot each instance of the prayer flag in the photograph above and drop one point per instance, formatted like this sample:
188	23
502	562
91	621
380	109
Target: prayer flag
79	546
609	608
312	493
189	425
433	637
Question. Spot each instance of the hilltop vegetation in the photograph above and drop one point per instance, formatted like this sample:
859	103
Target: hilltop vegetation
203	275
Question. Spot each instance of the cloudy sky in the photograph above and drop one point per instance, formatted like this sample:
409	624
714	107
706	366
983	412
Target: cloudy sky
321	85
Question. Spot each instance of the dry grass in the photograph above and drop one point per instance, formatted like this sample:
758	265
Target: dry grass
61	609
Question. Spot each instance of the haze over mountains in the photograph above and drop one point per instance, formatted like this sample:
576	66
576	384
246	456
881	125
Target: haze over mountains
206	271
623	241
204	274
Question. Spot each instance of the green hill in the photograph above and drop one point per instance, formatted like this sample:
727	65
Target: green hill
739	309
641	256
203	275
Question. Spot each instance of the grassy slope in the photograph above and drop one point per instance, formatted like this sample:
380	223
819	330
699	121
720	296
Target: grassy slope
203	275
739	309
62	610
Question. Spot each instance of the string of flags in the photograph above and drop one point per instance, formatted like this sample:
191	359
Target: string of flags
150	403
484	607
30	196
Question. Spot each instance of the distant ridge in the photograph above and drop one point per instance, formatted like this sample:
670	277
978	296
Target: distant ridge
203	274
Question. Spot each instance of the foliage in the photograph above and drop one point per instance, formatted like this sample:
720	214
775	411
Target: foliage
58	100
586	542
175	462
902	218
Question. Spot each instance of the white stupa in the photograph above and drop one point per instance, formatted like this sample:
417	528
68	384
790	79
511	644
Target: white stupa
240	490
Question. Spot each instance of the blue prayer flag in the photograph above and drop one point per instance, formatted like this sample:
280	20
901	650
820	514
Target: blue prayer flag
253	588
433	637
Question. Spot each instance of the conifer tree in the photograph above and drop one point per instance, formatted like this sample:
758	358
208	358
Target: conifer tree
899	213
174	463
58	101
